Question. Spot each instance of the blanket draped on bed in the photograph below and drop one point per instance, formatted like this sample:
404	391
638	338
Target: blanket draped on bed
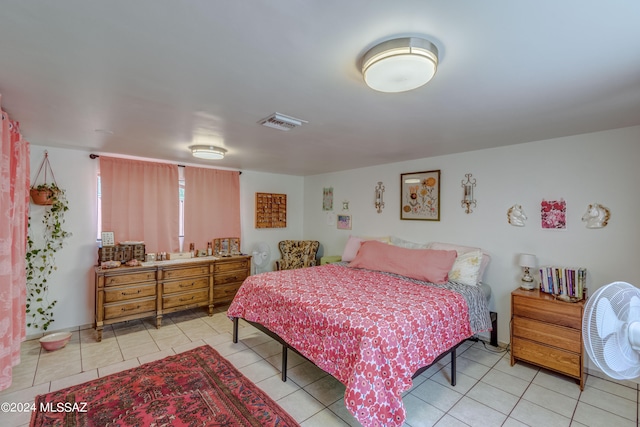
368	329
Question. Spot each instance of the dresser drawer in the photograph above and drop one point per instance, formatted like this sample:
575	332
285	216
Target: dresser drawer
555	359
179	273
122	279
128	308
557	336
224	266
185	285
230	277
225	293
123	293
558	313
185	298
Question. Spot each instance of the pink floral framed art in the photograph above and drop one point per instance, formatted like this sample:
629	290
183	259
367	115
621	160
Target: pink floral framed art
553	214
420	195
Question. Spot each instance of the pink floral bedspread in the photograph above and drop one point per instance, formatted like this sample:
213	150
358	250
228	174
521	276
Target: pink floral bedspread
369	330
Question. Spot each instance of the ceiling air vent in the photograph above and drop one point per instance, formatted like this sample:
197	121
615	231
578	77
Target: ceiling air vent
281	122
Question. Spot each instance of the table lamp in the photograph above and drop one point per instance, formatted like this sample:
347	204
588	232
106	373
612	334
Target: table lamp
527	261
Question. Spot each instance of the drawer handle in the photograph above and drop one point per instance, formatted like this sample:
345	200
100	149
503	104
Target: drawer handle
131	293
187	286
129	309
187	299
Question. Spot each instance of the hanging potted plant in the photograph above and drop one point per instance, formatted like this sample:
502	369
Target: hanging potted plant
40	257
45	193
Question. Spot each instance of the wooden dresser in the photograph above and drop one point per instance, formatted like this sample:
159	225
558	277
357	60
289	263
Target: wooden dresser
163	287
547	332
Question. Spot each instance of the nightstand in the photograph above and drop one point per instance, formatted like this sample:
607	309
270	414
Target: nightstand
547	333
330	259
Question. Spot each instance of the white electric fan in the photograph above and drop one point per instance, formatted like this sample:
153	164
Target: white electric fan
261	256
611	330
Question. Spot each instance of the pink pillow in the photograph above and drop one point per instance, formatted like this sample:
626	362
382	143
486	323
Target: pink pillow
351	248
428	265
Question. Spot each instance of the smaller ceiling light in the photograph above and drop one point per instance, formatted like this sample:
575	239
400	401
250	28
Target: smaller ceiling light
208	152
400	65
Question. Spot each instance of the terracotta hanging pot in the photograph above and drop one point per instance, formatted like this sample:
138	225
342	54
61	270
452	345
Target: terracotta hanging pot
44	194
43	197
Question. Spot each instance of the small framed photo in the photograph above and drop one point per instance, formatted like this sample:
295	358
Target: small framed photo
107	238
344	222
420	195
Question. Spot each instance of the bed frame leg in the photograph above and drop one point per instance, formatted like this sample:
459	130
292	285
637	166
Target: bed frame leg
453	367
284	363
235	330
494	328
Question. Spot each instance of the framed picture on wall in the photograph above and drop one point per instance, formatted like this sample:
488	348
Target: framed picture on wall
420	195
344	222
327	199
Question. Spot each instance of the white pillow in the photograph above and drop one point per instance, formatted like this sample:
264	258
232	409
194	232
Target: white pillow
466	268
463	250
351	248
396	241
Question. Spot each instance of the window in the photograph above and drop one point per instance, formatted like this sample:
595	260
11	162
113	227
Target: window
180	198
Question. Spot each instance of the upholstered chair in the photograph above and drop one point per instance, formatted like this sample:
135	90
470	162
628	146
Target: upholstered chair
297	254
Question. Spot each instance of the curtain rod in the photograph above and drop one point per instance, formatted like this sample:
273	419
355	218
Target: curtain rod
95	156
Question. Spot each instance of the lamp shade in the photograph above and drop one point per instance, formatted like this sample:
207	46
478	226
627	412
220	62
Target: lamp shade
527	260
400	65
208	152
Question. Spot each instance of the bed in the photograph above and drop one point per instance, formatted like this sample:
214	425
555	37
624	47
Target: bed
372	330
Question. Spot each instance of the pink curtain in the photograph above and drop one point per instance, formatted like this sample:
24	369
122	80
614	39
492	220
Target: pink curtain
211	205
140	202
14	211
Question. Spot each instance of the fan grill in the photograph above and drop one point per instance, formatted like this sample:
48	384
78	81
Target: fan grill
607	316
261	256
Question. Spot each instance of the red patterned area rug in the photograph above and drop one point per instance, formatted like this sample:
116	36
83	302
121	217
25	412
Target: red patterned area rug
195	388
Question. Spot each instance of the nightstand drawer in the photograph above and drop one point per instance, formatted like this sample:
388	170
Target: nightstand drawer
563	314
565	362
545	333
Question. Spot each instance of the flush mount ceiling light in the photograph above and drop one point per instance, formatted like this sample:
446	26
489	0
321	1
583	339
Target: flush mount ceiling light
208	152
400	65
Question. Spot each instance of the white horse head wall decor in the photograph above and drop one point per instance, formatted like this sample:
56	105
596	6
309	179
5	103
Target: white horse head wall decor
516	216
596	216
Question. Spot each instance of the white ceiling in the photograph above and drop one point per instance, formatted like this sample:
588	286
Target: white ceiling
162	75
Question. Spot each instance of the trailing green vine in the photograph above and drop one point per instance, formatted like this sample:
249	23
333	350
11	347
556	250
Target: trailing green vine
40	258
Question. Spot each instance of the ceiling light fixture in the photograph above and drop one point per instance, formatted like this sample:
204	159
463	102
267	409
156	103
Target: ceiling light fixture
400	65
208	152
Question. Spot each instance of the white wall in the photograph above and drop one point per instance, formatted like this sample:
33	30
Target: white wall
72	285
258	182
598	167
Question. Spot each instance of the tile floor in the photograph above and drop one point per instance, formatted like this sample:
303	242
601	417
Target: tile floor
489	392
